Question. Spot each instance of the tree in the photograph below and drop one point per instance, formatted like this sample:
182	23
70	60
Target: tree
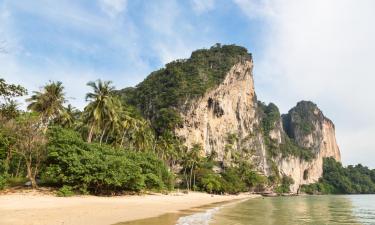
101	108
8	91
8	106
67	117
191	161
48	102
29	143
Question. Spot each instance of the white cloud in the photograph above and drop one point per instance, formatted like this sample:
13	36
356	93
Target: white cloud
255	8
173	34
15	66
201	6
322	51
113	7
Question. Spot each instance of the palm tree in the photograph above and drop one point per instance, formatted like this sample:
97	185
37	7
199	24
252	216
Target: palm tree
68	116
126	125
9	109
191	160
48	102
102	106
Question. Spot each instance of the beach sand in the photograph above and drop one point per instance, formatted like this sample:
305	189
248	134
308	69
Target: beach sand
35	208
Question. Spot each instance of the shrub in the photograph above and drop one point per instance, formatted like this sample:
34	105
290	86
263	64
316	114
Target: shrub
212	183
65	191
16	181
101	169
2	182
286	181
340	180
232	181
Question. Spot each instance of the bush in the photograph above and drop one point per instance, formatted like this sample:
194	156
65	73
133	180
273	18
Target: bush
340	180
232	181
153	182
16	181
286	181
65	191
3	182
101	169
212	183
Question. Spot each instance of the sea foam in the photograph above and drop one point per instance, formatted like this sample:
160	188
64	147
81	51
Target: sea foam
202	218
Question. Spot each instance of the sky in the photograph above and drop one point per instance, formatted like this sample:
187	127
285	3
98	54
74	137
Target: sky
318	50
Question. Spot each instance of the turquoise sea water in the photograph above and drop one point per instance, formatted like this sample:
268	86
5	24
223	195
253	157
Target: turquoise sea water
327	210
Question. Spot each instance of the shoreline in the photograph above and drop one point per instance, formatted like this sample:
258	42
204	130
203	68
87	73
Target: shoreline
35	208
191	214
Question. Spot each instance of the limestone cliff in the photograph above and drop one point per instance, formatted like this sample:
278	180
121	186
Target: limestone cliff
209	99
310	129
229	121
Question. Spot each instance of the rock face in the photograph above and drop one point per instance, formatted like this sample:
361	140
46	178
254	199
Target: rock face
228	120
228	109
310	129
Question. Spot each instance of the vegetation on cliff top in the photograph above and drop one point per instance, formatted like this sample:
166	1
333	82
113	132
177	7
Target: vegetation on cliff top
169	88
270	115
301	118
337	179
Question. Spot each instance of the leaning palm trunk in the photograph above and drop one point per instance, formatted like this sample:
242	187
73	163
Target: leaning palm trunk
101	136
89	137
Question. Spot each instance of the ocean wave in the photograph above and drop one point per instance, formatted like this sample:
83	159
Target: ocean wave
202	218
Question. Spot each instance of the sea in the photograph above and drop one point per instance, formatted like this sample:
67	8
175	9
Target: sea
291	210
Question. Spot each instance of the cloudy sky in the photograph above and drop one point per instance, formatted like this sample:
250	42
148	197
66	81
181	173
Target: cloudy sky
319	50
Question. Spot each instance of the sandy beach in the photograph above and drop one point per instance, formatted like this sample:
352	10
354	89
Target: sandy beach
34	208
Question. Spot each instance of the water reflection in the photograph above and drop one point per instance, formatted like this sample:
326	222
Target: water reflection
309	210
289	210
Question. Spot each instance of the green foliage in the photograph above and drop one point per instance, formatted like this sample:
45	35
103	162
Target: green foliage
284	187
318	188
212	183
289	147
8	106
167	119
340	180
11	90
232	180
270	116
3	174
65	191
301	118
101	168
48	102
16	181
181	80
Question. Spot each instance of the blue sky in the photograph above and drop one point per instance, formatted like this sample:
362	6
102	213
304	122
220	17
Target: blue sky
115	39
314	50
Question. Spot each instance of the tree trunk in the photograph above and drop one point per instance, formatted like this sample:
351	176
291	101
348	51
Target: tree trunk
31	176
194	181
191	174
18	167
186	179
101	136
106	139
89	137
122	138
